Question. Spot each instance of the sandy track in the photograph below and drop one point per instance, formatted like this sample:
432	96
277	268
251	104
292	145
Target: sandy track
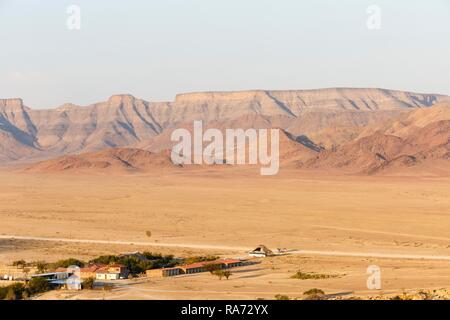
128	243
371	255
397	234
240	249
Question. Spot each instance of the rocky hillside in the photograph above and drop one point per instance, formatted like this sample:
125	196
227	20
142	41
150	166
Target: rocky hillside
427	147
125	121
116	160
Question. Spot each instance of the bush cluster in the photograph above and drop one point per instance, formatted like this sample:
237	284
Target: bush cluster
18	291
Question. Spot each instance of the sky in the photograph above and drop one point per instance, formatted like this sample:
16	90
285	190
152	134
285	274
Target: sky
155	49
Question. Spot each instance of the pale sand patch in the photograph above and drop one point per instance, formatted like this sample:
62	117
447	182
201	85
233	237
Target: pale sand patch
393	215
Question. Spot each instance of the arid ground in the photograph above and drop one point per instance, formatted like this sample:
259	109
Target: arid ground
343	223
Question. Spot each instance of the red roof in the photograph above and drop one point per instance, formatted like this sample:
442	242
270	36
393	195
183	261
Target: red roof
202	264
227	261
104	270
193	265
205	263
91	268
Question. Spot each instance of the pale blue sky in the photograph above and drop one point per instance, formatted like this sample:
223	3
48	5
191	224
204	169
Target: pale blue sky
156	48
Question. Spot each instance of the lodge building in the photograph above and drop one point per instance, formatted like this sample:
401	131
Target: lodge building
194	268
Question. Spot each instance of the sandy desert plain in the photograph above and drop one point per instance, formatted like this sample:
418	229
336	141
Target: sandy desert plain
341	225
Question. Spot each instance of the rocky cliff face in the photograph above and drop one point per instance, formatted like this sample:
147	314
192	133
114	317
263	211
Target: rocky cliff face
120	121
297	101
330	116
424	147
17	131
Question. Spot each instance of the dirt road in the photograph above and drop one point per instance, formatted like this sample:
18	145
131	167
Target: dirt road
235	249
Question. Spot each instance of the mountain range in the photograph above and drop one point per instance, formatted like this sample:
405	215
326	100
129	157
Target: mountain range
356	130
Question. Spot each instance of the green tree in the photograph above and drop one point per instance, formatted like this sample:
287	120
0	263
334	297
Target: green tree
195	259
219	274
227	274
41	266
15	291
212	267
26	271
19	263
67	263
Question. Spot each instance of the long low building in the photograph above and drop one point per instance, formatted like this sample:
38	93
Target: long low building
194	268
164	272
52	275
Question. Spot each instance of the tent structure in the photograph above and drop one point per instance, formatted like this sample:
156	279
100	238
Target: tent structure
261	251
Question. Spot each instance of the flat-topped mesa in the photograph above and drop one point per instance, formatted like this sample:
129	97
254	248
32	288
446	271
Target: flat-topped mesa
216	96
363	99
67	106
322	117
121	99
314	94
11	104
113	101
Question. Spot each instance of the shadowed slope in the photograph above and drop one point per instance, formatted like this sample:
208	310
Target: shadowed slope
425	147
112	160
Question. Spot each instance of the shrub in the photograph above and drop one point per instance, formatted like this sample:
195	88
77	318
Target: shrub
212	268
218	273
108	287
227	274
88	284
315	297
282	297
315	276
222	273
199	259
37	285
19	291
314	294
148	233
41	266
19	263
314	291
67	263
107	259
12	292
3	292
